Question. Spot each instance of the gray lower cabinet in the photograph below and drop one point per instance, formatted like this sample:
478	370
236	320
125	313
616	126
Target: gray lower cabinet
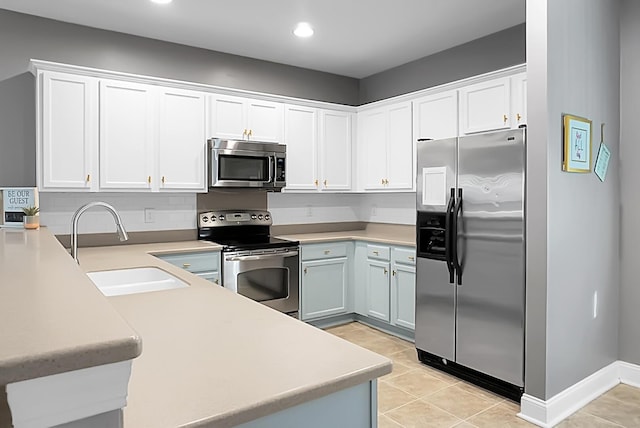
324	279
403	288
385	283
205	264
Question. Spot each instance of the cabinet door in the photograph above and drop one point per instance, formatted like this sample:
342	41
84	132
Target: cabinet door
181	140
301	138
399	148
265	121
436	116
68	138
335	150
126	135
228	117
372	135
403	296
378	290
485	106
210	276
323	288
519	100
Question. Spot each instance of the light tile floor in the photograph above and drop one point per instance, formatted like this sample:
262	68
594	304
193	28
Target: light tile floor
415	395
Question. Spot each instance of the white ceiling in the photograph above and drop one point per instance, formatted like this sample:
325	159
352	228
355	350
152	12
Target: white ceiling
353	38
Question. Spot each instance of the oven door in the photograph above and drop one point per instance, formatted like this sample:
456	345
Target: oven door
241	168
266	276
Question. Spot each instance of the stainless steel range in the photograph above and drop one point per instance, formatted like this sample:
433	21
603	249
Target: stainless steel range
254	263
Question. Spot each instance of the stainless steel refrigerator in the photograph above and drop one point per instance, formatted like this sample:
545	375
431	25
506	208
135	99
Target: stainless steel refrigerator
470	278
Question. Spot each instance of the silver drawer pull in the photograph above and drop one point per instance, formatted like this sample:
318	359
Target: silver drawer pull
376	253
186	265
327	252
413	259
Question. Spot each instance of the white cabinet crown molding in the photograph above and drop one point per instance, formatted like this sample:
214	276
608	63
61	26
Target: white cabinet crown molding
37	65
505	72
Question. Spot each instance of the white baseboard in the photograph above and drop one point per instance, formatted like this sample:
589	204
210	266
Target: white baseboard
629	373
549	413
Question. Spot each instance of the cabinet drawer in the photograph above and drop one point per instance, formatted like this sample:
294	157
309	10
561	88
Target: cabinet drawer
405	256
194	262
378	252
324	251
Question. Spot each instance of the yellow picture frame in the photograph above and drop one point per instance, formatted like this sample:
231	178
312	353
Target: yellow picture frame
576	154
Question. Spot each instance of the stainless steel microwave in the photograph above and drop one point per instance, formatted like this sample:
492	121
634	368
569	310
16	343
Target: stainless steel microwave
248	164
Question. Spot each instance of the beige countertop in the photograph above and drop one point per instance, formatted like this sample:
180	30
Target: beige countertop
53	318
214	358
382	233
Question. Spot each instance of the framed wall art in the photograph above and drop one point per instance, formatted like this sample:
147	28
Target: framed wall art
576	156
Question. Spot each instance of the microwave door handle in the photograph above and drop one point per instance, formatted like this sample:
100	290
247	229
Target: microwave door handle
272	169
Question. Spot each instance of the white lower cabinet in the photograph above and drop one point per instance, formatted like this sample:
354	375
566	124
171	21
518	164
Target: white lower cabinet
403	287
205	264
324	279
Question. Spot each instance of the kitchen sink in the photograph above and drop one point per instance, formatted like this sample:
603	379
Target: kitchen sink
135	280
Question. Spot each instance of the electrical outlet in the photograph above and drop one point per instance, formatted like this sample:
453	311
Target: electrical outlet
309	211
149	215
374	210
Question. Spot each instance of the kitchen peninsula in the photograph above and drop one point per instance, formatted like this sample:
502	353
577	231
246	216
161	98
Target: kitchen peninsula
209	357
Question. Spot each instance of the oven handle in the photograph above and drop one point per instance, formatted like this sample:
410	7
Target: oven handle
259	257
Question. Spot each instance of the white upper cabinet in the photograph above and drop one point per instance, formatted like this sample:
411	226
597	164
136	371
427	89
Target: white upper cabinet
335	150
239	118
400	145
485	106
301	138
436	116
127	124
386	147
318	149
372	137
181	147
519	100
67	132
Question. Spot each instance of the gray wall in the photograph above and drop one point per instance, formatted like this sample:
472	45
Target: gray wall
630	177
499	50
582	78
23	37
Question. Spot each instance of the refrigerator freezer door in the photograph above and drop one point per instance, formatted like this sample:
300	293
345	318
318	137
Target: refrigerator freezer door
491	299
436	174
435	296
435	309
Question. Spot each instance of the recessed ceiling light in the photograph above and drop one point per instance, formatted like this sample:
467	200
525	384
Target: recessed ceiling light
162	1
303	29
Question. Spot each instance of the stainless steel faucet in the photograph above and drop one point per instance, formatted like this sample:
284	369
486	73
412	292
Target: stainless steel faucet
74	225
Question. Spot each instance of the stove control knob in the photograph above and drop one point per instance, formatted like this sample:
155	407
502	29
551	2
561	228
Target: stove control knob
267	217
259	216
213	218
221	217
205	219
253	216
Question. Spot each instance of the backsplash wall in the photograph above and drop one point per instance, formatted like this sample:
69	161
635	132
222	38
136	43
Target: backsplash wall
169	211
178	211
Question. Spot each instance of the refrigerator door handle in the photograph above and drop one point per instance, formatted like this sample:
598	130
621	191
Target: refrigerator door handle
448	249
454	238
